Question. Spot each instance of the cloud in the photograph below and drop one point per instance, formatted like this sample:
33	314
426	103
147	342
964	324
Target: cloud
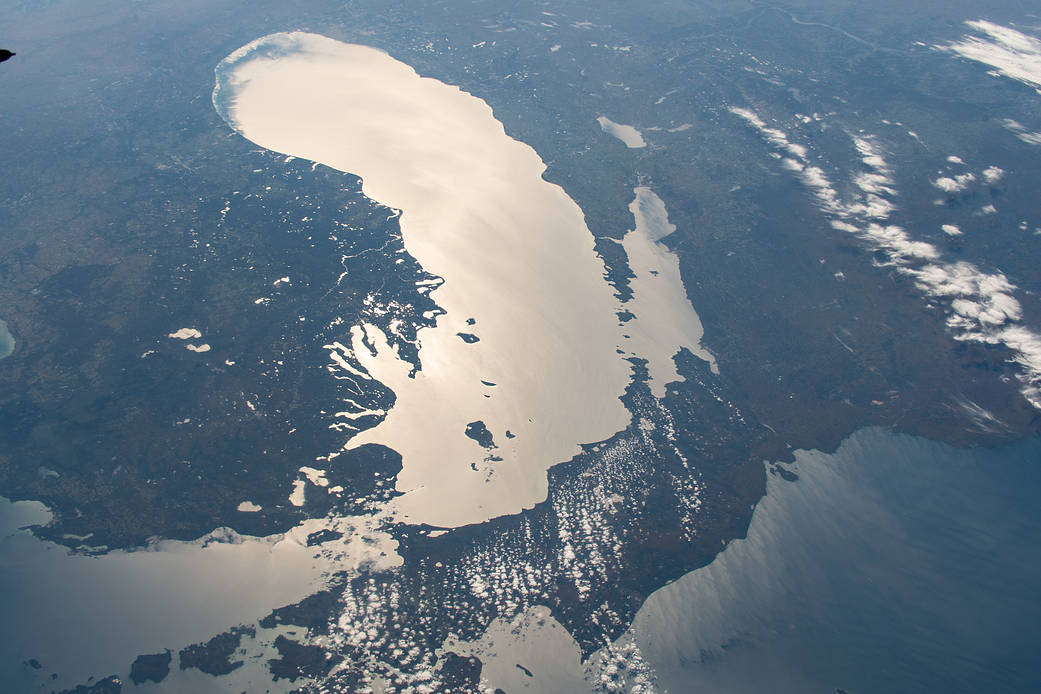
981	306
867	210
1022	133
1010	52
993	174
954	184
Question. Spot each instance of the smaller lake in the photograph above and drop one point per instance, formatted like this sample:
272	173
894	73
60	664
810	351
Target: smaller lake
6	341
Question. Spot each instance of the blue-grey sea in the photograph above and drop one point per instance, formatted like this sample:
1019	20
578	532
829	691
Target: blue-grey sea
895	564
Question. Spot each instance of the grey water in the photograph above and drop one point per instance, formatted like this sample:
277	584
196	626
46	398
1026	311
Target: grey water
895	564
6	341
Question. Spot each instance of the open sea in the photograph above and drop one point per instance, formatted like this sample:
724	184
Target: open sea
896	564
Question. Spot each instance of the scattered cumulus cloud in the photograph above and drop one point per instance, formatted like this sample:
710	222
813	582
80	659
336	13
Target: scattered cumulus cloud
981	306
867	211
993	174
954	184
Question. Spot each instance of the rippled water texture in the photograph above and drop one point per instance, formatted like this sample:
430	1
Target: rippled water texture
894	565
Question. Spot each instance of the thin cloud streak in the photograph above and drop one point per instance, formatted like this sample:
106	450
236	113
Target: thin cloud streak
981	307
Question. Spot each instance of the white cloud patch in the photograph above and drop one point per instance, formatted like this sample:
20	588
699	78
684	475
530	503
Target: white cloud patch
1010	52
993	174
1020	131
954	184
981	307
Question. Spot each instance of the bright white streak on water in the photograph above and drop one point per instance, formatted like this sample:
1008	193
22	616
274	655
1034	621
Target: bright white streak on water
665	319
513	249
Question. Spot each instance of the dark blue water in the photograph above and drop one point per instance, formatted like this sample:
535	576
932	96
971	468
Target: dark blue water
895	565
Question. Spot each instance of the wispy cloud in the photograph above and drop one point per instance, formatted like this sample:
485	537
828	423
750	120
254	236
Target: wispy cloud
1022	133
1010	52
981	305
